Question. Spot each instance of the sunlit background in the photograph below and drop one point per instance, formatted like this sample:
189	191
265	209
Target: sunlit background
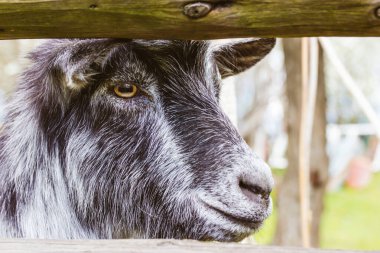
262	102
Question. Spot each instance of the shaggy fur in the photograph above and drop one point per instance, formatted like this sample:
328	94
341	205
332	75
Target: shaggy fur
76	161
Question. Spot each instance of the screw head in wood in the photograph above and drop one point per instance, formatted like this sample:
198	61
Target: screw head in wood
197	10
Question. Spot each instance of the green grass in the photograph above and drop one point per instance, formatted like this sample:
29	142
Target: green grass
351	219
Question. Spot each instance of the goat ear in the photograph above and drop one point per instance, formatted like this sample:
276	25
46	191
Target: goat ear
79	60
236	55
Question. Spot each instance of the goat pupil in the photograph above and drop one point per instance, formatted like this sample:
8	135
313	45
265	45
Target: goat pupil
126	89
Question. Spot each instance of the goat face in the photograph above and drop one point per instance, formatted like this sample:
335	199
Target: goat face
140	141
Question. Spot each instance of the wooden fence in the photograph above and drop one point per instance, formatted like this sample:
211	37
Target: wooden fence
144	246
183	19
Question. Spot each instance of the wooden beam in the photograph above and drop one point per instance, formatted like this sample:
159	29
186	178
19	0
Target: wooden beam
144	246
182	19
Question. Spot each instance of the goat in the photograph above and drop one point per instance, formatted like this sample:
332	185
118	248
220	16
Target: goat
113	138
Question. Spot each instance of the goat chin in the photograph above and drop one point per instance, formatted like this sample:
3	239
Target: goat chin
156	159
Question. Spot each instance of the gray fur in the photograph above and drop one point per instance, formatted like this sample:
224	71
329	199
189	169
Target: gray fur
79	162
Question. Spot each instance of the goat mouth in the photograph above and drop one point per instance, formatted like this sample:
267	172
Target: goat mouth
252	224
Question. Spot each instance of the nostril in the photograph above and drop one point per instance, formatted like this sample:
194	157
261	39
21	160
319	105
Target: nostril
254	192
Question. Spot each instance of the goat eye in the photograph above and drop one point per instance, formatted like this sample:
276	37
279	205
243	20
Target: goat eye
126	91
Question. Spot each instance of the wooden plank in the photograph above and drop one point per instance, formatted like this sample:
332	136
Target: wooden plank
165	19
144	246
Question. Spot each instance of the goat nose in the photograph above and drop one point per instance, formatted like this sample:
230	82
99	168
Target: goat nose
254	192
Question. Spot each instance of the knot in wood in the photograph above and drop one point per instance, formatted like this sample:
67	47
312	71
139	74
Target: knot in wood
377	12
197	10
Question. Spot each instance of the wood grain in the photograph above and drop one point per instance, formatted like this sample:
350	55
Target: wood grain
143	246
166	19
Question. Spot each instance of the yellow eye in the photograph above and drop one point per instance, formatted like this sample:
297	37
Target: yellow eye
126	91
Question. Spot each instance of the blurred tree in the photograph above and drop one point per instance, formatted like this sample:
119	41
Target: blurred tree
362	63
12	61
9	68
253	117
260	92
288	231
